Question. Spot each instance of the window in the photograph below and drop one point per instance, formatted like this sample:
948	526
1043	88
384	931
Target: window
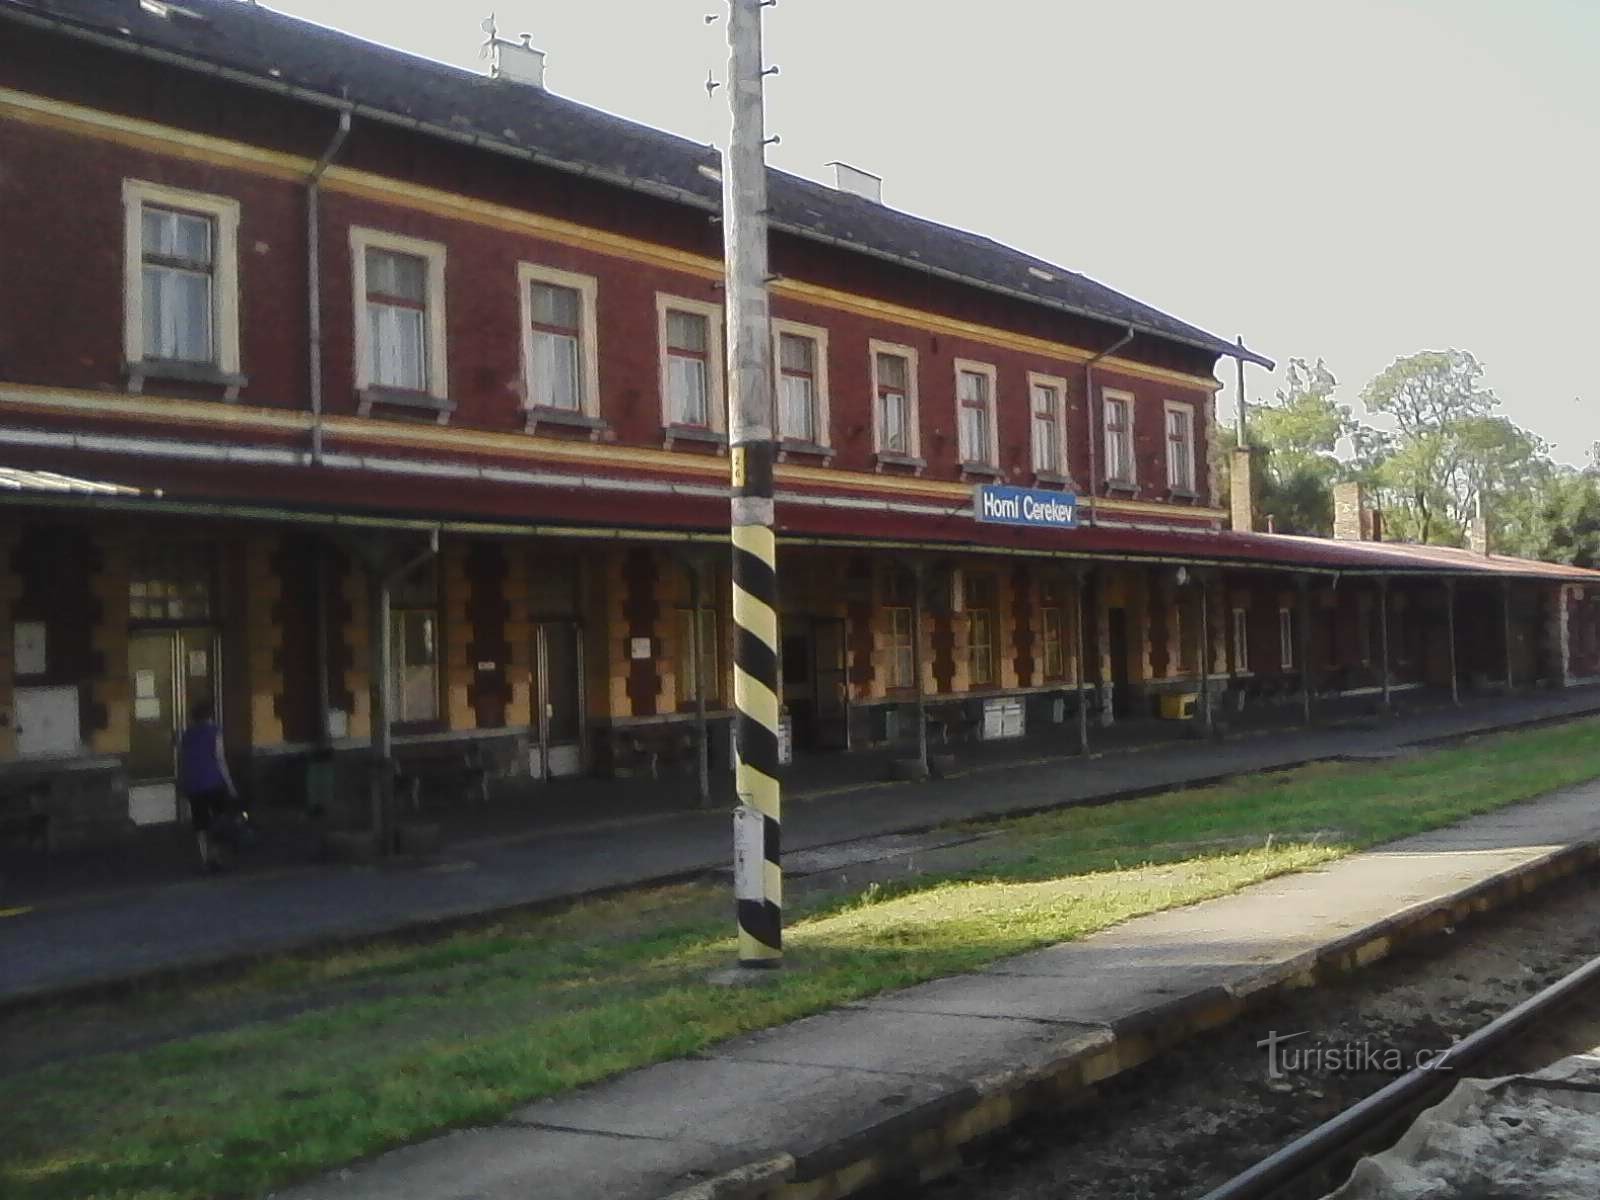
980	605
1241	641
181	303
170	581
1118	417
689	671
691	356
400	330
560	370
902	649
975	413
800	359
1049	426
414	646
1286	639
1055	660
1180	447
894	387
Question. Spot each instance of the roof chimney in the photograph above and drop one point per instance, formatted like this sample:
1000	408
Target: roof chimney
857	182
1353	521
1478	529
517	61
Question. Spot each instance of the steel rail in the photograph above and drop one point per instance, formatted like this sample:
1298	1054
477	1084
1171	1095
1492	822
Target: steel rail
1319	1145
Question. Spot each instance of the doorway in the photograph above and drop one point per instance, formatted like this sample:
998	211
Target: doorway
1117	644
170	670
558	677
830	696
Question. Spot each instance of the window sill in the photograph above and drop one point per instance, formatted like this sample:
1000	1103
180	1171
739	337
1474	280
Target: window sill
184	372
983	470
1053	479
1180	493
1124	487
694	433
564	418
790	447
893	458
395	397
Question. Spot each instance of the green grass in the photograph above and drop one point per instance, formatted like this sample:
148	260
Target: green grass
314	1060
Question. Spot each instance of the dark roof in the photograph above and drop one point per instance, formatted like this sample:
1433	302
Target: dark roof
254	44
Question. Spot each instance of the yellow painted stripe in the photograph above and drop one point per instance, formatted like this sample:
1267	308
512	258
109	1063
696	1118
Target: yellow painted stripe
750	613
755	699
750	949
23	911
757	540
757	789
149	135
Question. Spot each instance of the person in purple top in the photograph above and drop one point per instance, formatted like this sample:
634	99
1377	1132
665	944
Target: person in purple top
203	775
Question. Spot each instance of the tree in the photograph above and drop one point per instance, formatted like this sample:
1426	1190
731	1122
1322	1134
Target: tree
1557	518
1300	433
1449	447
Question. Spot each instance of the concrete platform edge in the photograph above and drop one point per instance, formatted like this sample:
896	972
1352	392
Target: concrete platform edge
926	1142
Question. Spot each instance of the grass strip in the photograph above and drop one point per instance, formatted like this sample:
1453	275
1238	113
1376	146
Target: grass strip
385	1044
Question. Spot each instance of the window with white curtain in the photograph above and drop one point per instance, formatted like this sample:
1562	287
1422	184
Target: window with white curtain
797	387
1180	447
397	320
557	356
1118	419
975	413
177	251
1046	404
688	367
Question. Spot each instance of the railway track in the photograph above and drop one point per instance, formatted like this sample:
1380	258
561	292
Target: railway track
1282	1103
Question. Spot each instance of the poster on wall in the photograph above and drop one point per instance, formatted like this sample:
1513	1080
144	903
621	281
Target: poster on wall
28	648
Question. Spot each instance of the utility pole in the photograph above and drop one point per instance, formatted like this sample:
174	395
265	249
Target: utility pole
758	877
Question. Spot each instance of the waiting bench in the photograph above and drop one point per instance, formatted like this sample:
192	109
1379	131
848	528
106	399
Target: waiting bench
24	815
653	746
452	769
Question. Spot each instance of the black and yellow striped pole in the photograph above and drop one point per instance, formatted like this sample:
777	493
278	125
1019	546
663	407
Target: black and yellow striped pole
758	877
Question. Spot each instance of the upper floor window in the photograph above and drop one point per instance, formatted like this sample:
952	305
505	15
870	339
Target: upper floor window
559	352
801	358
181	303
894	383
691	354
400	329
975	414
1046	394
1180	447
397	319
1118	418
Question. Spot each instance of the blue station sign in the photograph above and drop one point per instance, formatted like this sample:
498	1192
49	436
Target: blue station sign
999	504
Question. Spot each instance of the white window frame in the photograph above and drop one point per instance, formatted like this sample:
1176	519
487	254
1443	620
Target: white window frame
223	211
716	414
1037	379
1105	436
363	239
992	373
913	408
1167	408
1286	639
587	288
1241	641
819	339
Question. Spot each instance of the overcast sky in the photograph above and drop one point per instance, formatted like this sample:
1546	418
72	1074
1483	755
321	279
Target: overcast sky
1355	180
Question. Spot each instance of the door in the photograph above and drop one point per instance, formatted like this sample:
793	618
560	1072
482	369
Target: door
1117	639
169	670
558	661
830	693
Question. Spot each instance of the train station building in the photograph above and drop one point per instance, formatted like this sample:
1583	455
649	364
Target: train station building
378	401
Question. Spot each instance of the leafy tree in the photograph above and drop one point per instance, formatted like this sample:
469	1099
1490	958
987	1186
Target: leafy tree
1449	447
1301	431
1557	518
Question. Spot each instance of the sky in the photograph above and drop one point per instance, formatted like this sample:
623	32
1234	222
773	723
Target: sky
1354	181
